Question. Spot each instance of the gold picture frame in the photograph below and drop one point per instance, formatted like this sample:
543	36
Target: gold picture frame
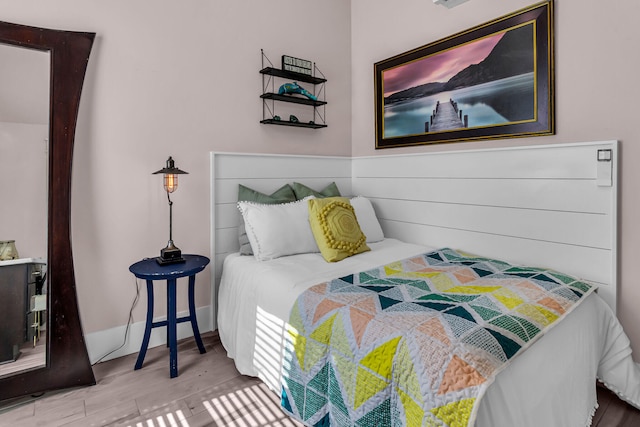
495	80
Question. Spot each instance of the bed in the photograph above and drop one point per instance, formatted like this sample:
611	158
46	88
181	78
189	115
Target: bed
256	298
551	383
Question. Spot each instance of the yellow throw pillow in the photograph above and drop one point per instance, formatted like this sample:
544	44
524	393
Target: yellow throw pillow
335	228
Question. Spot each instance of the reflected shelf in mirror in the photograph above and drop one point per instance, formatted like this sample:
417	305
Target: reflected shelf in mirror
23	295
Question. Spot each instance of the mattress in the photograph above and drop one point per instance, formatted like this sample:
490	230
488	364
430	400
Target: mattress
551	384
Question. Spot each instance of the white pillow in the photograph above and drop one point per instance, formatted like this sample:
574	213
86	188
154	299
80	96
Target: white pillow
278	230
367	219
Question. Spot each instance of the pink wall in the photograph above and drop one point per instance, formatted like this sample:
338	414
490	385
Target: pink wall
596	66
24	134
23	187
180	79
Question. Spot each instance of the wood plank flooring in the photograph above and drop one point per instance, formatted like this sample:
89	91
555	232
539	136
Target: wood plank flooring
208	392
613	412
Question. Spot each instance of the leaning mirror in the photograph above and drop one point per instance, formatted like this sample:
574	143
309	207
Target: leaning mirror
41	76
24	155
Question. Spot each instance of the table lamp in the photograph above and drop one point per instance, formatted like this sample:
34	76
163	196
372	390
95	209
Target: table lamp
170	254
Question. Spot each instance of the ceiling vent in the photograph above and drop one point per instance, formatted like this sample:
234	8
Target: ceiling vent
449	3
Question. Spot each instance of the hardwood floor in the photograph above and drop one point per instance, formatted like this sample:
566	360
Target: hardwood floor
208	392
613	412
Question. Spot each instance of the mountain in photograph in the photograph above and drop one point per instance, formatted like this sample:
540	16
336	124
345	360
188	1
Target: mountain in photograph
415	92
512	56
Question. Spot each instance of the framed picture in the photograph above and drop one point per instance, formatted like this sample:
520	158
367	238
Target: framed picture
491	81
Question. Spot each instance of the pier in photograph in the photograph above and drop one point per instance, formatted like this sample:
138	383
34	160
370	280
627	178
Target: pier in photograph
446	116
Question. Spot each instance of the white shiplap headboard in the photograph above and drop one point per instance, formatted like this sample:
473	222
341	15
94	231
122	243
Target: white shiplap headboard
550	205
265	173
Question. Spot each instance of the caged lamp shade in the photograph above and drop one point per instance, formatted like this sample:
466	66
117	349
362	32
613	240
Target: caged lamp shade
170	254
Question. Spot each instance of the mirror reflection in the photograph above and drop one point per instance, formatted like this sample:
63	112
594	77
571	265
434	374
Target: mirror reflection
24	160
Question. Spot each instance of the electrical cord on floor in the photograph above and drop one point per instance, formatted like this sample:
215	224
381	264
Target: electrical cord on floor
129	322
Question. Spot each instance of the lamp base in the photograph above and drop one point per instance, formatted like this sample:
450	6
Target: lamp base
170	255
163	261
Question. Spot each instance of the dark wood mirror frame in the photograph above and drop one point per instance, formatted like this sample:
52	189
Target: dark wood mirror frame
66	353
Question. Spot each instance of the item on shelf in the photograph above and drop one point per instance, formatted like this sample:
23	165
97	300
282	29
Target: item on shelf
297	65
277	118
293	88
293	119
8	250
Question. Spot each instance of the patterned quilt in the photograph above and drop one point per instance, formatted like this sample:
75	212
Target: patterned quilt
415	342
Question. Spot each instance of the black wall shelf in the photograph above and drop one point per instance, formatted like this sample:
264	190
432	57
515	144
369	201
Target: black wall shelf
270	98
292	75
294	124
292	98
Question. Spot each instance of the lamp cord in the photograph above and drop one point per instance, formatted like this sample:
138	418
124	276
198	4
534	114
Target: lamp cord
129	322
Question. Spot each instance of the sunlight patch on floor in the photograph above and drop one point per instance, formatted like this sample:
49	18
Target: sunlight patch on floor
252	406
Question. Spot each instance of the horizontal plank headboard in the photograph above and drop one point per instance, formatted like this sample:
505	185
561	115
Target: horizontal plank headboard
551	206
265	173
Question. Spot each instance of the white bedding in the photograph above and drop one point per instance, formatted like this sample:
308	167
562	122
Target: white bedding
550	384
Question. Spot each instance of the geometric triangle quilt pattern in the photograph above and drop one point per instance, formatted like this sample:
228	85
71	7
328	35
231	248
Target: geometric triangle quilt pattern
415	342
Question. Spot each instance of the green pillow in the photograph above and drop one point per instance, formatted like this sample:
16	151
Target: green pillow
335	228
301	191
283	194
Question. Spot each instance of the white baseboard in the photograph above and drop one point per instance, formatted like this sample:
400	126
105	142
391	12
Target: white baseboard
101	343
